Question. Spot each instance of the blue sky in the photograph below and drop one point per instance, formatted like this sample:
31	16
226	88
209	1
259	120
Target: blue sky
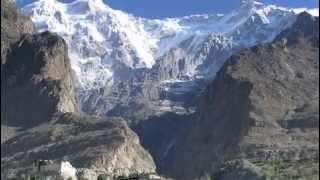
177	8
174	8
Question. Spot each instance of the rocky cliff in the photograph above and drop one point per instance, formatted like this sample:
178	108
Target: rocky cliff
260	117
37	80
98	145
39	113
36	74
13	25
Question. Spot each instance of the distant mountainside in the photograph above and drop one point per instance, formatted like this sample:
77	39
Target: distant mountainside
259	119
142	67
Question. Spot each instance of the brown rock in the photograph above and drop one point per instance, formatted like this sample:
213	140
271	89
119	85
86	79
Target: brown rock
263	105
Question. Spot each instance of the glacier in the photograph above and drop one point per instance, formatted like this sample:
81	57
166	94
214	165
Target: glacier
108	47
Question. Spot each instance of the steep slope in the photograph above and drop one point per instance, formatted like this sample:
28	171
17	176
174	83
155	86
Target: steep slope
124	62
37	81
260	117
93	146
40	118
13	25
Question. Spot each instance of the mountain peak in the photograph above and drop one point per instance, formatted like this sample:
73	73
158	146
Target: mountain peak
304	16
89	5
304	26
305	23
250	6
102	39
96	4
250	3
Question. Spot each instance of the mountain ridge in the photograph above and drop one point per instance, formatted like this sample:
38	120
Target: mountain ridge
109	48
262	108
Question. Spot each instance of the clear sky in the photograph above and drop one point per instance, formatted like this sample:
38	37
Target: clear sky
177	8
174	8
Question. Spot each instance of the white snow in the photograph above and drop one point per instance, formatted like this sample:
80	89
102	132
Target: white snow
101	39
67	170
313	12
141	40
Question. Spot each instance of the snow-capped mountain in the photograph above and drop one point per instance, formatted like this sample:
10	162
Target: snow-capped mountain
160	60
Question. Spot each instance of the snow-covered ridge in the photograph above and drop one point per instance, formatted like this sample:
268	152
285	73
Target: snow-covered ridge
313	12
102	40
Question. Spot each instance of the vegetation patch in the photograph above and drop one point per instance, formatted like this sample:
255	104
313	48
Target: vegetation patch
289	170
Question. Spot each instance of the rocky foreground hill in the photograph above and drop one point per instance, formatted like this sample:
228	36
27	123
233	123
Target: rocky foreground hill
259	119
40	119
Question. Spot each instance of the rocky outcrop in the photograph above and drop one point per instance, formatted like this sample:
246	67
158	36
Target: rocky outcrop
99	145
262	107
37	81
13	25
36	76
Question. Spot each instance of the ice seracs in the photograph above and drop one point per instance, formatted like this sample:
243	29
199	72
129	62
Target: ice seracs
114	38
108	46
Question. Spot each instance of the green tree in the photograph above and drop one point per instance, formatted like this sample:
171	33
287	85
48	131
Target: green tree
102	177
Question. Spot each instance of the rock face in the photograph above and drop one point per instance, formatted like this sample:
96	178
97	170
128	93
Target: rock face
37	80
13	25
99	145
262	107
35	70
39	113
